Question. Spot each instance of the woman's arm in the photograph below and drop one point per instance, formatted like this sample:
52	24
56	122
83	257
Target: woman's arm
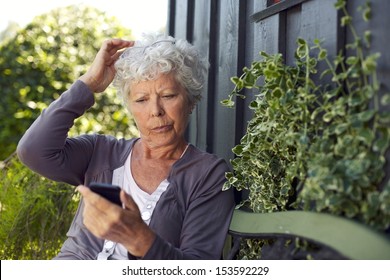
45	147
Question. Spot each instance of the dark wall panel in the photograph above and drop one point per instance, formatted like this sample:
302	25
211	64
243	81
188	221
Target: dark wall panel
203	34
181	20
226	67
293	30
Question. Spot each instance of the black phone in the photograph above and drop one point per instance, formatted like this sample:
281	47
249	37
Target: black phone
108	191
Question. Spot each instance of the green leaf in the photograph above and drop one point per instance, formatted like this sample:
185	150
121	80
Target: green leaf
235	80
346	20
366	115
301	42
289	84
264	54
249	80
254	105
367	38
350	208
237	150
369	64
351	60
381	145
328	117
367	13
322	54
341	128
301	52
277	92
326	72
340	4
373	199
385	100
366	135
384	118
228	103
355	100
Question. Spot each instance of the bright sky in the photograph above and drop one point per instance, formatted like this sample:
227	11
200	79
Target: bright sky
138	15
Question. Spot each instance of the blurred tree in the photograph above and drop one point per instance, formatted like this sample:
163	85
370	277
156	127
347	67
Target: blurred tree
36	66
43	60
10	31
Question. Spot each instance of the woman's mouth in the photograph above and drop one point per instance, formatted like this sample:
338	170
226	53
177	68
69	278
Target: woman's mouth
162	128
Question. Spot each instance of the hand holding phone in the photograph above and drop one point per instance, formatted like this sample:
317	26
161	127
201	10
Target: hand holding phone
108	191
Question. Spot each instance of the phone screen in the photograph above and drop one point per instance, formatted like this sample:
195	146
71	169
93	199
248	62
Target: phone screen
108	191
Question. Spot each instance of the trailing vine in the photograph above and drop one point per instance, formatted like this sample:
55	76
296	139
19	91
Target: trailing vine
316	141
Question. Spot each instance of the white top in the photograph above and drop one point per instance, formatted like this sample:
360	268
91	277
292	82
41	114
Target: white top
145	202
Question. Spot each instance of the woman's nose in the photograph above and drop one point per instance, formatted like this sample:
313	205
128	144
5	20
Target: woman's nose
157	109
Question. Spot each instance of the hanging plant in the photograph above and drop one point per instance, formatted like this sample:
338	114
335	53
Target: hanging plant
316	144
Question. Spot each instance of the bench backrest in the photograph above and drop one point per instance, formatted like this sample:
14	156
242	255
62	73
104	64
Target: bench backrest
349	238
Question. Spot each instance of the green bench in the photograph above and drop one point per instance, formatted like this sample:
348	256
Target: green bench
348	238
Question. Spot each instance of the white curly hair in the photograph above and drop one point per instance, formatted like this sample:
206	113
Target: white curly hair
159	54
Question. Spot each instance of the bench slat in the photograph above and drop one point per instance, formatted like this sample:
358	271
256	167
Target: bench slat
351	239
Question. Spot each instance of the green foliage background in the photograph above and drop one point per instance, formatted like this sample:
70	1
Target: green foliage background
35	213
43	60
36	66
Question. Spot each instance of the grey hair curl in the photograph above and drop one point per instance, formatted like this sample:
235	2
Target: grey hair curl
158	54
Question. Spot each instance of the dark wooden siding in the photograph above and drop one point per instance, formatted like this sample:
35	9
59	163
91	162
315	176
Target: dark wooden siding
231	33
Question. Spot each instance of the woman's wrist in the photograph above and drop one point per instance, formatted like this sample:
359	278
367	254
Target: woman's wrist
90	82
141	244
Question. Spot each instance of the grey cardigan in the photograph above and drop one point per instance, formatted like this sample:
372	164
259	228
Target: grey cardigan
190	219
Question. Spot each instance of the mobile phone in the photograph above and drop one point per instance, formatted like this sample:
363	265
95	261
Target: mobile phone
108	191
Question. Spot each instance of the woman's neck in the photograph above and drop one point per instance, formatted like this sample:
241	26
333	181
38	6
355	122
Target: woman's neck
175	151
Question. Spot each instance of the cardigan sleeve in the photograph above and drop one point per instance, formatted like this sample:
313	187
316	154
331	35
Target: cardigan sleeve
45	148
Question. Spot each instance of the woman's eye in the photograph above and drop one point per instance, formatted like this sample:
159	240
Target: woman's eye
140	100
169	96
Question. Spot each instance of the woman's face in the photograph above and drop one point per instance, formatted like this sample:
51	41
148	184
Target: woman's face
160	109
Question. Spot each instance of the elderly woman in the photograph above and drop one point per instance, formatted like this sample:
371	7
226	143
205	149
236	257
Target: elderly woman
173	203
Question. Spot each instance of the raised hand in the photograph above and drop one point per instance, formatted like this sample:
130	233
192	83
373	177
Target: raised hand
102	71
